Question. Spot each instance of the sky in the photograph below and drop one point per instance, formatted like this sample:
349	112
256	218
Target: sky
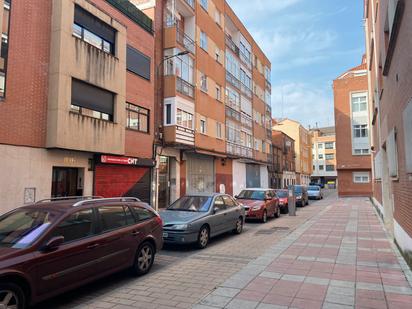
309	43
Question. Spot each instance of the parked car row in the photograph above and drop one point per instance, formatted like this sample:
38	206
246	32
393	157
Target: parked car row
56	245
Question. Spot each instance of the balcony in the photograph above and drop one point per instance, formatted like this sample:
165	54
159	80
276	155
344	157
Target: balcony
232	46
185	88
246	60
269	133
246	121
231	113
239	150
232	80
174	84
268	85
246	90
177	135
191	3
176	38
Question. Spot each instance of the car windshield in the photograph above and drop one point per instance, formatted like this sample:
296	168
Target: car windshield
251	195
313	188
281	194
298	189
192	203
20	228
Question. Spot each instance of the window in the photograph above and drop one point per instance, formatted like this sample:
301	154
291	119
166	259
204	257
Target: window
184	119
361	151
4	48
204	4
137	118
407	127
137	63
114	217
360	130
92	101
218	130
361	177
320	146
181	66
168	114
320	157
203	126
321	167
330	156
330	168
217	54
203	40
218	93
92	30
77	226
329	145
228	201
359	103
203	82
142	214
392	153
219	204
232	99
218	17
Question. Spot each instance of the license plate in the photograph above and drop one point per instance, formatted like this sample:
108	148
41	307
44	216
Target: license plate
165	235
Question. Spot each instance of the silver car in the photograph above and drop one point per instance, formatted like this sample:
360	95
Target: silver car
197	218
315	192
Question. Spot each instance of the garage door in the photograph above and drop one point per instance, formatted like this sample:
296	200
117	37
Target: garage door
253	176
200	174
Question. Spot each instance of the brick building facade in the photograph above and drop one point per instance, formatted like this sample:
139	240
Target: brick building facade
352	132
282	171
388	40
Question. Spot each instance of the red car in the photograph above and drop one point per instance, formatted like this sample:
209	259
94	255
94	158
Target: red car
53	246
282	195
259	203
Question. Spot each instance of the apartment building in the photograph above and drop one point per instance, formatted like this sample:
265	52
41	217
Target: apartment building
77	93
214	97
353	155
324	156
282	170
303	148
388	28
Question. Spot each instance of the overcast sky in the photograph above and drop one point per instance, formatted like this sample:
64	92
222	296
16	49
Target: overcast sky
310	43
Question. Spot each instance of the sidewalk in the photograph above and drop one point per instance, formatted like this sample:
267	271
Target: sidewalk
340	258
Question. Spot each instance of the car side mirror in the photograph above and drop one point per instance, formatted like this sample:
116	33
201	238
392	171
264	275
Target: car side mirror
53	243
215	209
236	196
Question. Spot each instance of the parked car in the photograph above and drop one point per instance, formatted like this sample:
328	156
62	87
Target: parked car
197	218
320	184
283	197
315	192
259	203
301	195
56	245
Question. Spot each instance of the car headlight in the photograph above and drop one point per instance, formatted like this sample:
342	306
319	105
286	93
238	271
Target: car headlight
299	197
256	207
180	226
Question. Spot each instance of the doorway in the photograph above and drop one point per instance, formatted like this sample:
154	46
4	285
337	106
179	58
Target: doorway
164	182
66	182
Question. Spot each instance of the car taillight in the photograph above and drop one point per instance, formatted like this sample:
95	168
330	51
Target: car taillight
159	220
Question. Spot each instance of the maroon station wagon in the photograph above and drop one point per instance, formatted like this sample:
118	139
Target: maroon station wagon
56	245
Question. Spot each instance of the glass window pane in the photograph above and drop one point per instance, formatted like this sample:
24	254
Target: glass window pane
77	226
92	39
112	217
77	31
144	123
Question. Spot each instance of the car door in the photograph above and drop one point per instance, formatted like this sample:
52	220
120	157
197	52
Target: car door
233	212
120	236
217	220
274	201
75	261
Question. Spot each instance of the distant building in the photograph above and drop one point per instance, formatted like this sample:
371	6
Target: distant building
282	172
353	132
324	156
388	39
303	150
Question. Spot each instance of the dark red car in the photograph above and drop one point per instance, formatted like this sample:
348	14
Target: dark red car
282	195
53	246
259	203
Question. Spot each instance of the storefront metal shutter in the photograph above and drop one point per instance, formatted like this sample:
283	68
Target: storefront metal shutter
200	175
252	176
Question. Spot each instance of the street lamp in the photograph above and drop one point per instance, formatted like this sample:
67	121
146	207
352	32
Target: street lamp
157	115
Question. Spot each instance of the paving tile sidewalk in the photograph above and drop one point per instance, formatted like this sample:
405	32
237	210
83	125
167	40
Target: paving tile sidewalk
341	258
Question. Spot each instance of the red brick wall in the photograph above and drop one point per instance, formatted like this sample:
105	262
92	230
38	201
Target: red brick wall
23	113
347	187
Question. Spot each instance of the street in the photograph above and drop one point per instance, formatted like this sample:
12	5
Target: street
181	276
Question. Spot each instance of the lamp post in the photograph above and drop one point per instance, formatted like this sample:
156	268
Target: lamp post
158	141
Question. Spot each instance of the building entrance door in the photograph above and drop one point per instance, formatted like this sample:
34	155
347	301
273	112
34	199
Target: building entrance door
164	182
65	182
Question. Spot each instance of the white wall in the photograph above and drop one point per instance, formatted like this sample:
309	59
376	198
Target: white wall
264	176
239	176
402	238
26	167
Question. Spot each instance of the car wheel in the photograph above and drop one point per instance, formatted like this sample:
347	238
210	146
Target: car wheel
265	216
203	238
144	259
277	214
12	296
239	226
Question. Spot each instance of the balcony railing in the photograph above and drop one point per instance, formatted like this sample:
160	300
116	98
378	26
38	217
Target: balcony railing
191	3
239	150
184	87
246	90
269	133
232	79
230	112
245	59
246	121
268	85
233	47
184	40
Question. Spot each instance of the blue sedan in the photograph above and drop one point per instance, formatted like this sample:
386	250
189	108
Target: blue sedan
197	218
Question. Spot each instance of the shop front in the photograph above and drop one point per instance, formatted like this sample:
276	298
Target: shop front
123	176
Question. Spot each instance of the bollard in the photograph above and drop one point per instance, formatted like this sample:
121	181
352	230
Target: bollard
292	201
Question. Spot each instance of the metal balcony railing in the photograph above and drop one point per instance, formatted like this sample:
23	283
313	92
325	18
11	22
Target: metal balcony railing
184	40
230	112
246	90
191	3
233	47
246	121
245	59
184	87
239	150
232	79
